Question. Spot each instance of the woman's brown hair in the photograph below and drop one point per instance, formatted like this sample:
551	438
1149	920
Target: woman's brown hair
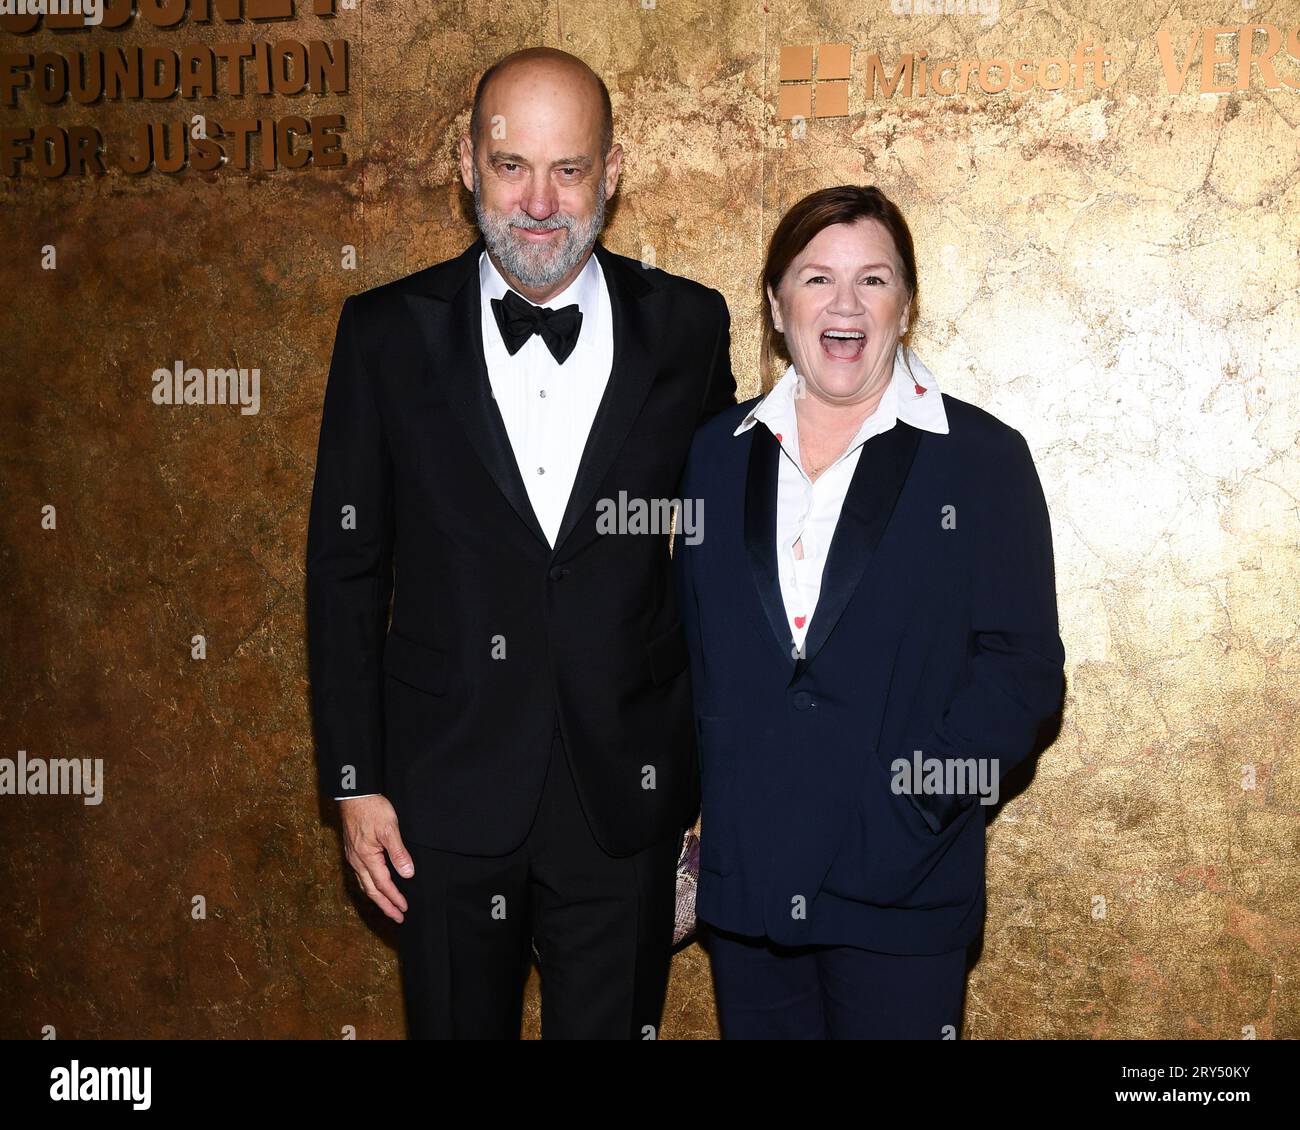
844	204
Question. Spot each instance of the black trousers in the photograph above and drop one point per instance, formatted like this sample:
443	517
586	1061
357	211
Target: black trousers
602	926
768	991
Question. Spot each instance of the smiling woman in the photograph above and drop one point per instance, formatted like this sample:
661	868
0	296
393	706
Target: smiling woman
840	284
840	898
839	265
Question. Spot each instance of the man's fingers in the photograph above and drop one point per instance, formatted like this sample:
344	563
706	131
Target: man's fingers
391	838
377	867
370	827
378	897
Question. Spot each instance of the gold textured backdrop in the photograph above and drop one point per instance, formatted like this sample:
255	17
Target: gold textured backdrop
1112	271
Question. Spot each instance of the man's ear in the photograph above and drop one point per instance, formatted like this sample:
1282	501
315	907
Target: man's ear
776	310
466	162
613	167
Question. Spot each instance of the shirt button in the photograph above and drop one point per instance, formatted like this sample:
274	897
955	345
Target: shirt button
542	393
541	470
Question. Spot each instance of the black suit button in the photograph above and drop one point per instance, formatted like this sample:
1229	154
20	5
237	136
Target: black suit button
802	700
558	571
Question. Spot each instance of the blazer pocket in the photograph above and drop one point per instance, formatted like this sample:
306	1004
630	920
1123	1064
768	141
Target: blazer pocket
936	812
667	654
418	666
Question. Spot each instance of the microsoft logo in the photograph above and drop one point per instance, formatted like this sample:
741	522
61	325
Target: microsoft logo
814	81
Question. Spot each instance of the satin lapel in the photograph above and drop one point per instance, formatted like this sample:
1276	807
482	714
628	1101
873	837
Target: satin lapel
453	333
873	492
637	343
760	531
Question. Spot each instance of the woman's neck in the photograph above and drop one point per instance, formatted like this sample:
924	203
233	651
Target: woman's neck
818	417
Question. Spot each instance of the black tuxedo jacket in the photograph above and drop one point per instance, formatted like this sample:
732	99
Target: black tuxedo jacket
450	709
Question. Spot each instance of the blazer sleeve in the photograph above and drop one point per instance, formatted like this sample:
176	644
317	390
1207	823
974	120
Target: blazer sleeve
721	390
349	573
1014	679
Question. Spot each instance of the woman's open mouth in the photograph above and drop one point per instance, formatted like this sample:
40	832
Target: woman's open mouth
844	345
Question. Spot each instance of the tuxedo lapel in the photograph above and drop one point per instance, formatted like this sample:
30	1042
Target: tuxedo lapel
873	492
636	345
450	320
760	532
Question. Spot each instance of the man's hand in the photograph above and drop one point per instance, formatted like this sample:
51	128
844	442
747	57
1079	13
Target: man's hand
370	829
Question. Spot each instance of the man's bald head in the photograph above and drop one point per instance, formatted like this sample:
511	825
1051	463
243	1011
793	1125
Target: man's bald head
541	161
550	62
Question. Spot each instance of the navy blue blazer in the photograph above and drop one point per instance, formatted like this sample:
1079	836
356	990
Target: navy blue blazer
935	630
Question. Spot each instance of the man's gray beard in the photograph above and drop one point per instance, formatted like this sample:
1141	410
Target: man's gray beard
538	267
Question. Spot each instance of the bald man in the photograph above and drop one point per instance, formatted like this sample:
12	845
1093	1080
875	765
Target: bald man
514	755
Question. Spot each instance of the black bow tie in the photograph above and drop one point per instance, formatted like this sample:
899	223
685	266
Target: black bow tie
519	319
